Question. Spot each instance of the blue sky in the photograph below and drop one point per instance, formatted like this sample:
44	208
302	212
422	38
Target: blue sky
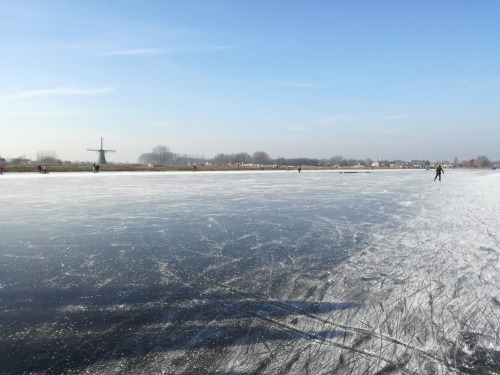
360	79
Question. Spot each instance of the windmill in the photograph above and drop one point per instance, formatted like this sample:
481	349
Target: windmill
101	159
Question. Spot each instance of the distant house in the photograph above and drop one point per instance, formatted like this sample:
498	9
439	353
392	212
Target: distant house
375	164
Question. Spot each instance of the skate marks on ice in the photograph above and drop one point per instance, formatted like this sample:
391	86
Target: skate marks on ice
427	291
254	286
434	285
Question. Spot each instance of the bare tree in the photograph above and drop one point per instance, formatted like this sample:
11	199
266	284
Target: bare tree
159	155
281	161
481	161
336	160
241	158
222	159
261	157
146	158
162	155
47	157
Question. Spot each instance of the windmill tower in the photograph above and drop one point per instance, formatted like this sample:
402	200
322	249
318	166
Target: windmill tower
101	159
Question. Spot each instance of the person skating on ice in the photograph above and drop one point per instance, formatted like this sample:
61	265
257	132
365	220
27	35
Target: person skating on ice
439	170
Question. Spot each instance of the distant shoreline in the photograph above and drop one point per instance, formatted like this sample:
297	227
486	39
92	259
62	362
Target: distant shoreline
16	168
169	168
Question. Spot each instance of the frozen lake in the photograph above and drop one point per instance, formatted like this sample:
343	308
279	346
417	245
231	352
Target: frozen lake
239	273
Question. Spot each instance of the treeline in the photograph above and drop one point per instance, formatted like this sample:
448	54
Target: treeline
161	155
47	157
479	162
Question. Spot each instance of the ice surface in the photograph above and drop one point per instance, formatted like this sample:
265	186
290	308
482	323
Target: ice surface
250	273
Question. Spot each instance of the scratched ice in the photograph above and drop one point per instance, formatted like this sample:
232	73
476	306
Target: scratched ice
250	273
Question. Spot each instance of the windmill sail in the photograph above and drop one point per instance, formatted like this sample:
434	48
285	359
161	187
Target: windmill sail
101	154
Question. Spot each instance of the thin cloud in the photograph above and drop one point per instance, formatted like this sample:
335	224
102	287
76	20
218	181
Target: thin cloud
300	85
334	119
164	51
393	117
214	48
135	52
34	112
299	128
59	91
478	85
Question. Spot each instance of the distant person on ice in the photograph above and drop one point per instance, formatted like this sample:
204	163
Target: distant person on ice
439	170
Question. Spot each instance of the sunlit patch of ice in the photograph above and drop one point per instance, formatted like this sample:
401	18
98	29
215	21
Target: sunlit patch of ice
405	203
74	308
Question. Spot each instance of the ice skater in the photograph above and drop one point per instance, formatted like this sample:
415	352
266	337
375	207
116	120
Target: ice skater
439	170
1	169
300	168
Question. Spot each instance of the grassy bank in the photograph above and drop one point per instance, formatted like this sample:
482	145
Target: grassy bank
138	168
